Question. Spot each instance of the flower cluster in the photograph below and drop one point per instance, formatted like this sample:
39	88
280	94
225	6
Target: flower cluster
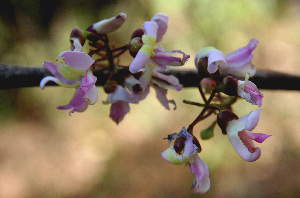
211	62
124	85
131	84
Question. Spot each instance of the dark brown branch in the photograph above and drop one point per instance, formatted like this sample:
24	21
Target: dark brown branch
21	76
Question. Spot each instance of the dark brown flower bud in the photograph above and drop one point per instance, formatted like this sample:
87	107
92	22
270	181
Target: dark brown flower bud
137	33
110	86
229	86
224	117
179	144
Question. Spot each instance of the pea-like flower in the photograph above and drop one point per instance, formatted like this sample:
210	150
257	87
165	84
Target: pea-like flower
185	150
150	52
248	90
75	74
237	62
244	89
238	131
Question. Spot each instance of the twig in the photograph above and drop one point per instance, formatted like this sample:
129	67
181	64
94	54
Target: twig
24	76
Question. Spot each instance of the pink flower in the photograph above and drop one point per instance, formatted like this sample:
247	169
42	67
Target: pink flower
245	89
185	150
240	137
249	91
76	74
237	62
150	52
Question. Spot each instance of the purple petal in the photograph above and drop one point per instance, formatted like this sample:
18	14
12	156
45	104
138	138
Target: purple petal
139	61
77	102
200	170
256	96
151	28
162	58
162	98
252	119
170	79
241	72
240	57
162	22
244	146
79	61
258	137
216	60
120	94
118	110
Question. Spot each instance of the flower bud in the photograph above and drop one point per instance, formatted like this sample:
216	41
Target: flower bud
229	86
138	33
77	39
135	45
110	86
108	25
224	117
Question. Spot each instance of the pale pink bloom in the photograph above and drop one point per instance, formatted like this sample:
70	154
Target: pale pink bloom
249	91
76	74
150	52
185	150
237	62
242	140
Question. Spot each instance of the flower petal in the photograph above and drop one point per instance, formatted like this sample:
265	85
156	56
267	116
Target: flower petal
140	60
258	137
53	69
171	156
240	57
239	142
200	170
79	61
162	22
215	59
161	96
120	94
118	110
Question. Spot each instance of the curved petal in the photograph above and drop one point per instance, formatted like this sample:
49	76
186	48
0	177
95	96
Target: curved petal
91	95
201	183
258	137
241	72
251	154
150	28
169	79
53	69
140	60
79	61
252	119
118	110
216	59
120	94
47	79
162	22
161	58
241	56
162	98
171	156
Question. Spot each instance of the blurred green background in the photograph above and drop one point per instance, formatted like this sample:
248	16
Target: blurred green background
45	152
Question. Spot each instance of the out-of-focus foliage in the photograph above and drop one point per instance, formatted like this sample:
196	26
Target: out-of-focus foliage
47	153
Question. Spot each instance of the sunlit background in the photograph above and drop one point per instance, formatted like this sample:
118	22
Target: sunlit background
45	152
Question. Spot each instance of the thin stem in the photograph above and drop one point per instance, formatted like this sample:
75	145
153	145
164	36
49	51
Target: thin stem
109	52
201	115
202	92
